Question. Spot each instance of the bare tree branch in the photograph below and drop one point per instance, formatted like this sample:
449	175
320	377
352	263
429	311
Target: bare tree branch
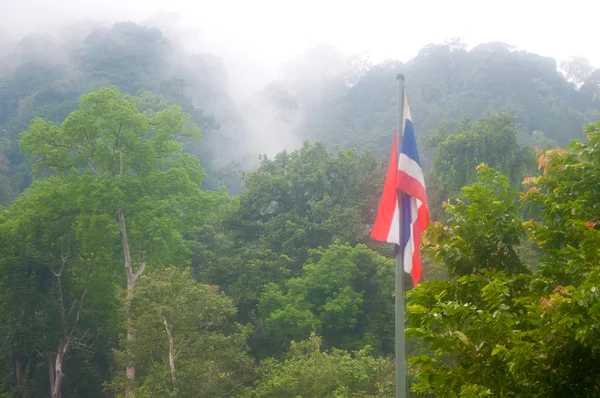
78	313
140	270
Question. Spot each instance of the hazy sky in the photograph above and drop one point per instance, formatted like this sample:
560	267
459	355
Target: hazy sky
269	32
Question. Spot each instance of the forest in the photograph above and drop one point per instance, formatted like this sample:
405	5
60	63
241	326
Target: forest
161	237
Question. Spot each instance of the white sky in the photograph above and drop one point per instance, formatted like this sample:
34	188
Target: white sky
270	31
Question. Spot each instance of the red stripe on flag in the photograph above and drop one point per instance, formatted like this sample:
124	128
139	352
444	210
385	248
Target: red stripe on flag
389	199
419	227
411	186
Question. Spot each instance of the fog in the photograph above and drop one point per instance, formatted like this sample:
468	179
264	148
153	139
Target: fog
262	41
274	31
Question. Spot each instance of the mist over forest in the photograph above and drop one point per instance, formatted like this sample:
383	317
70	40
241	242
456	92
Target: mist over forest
177	220
322	94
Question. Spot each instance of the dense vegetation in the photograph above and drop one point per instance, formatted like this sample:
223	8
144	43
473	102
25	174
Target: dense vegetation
127	270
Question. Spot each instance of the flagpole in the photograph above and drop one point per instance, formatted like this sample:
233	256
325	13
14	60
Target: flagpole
399	303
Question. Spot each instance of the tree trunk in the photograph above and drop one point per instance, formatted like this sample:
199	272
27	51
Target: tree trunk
56	370
131	279
57	378
50	372
130	371
18	358
171	353
20	376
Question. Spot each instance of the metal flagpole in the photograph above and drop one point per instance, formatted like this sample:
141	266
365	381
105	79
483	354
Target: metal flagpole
400	347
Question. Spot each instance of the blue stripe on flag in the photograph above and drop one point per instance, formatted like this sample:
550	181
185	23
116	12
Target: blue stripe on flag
406	223
409	142
406	219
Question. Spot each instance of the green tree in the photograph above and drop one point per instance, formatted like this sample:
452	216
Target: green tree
59	301
344	292
484	227
306	199
566	193
491	140
494	334
309	372
293	203
126	55
466	322
187	344
129	173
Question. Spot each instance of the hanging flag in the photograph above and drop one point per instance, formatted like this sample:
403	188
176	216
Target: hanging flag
406	174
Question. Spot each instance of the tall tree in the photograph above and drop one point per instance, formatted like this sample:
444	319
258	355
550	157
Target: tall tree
491	140
50	265
306	199
129	171
187	344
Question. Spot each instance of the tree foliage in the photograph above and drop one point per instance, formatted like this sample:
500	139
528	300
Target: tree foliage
497	334
484	227
344	293
58	279
309	372
128	179
307	199
187	344
491	140
291	204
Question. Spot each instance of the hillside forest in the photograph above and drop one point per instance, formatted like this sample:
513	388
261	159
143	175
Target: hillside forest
162	236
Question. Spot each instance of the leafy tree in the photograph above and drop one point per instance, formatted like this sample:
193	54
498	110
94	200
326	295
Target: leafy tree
566	193
309	372
60	300
344	292
306	199
293	203
527	334
484	227
492	140
466	322
187	344
129	174
127	55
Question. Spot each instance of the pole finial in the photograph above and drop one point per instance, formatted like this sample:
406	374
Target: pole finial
400	76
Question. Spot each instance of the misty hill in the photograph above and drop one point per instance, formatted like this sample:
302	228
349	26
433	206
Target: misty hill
446	83
323	95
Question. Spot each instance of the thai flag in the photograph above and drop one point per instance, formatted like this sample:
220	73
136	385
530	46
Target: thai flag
406	174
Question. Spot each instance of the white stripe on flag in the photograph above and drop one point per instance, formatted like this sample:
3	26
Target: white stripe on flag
394	232
410	245
406	113
411	168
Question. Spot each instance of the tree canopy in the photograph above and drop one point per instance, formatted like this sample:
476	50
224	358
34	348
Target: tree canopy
492	333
